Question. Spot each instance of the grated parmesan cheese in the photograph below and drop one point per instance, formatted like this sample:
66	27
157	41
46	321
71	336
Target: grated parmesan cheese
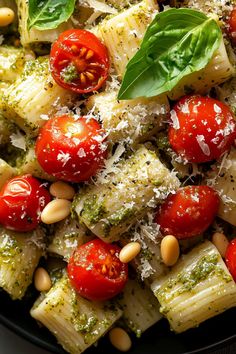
203	145
18	140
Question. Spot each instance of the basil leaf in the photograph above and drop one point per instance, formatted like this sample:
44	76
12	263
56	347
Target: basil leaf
49	14
177	43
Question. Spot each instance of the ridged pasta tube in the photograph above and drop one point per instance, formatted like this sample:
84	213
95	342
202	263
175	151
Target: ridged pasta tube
109	209
131	120
29	164
19	256
6	128
122	34
12	62
69	234
6	172
198	287
226	93
76	322
33	35
33	95
222	178
140	307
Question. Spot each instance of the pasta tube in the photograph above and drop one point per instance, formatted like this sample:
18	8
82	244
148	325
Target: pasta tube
122	34
19	256
197	288
6	172
222	178
32	96
69	234
132	120
109	209
76	322
140	307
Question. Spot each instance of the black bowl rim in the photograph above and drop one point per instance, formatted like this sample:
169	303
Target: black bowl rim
50	347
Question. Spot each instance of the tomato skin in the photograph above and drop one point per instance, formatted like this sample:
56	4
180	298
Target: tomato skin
188	212
232	26
21	201
72	48
230	258
71	149
96	272
205	129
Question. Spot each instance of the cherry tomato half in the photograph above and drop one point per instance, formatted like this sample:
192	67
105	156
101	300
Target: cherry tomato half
79	61
96	272
232	26
71	149
188	212
21	201
202	129
230	258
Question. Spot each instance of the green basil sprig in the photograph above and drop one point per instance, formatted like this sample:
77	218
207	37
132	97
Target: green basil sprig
177	43
49	14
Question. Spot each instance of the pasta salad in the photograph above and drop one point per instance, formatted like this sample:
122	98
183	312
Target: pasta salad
117	164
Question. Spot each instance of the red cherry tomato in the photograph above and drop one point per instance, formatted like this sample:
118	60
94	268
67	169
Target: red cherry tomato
21	201
71	149
96	272
79	61
188	212
230	258
202	129
232	26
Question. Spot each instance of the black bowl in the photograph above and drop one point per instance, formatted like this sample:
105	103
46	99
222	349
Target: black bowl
214	333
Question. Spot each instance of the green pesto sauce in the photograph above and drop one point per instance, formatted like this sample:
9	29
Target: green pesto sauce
162	142
134	328
38	67
207	265
69	73
10	250
145	129
93	211
120	215
85	324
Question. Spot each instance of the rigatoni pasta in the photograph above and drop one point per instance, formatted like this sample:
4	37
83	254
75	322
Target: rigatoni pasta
197	288
76	322
100	110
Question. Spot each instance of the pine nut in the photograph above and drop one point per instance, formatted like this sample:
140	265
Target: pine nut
7	16
42	280
221	242
129	252
120	339
56	210
169	250
62	190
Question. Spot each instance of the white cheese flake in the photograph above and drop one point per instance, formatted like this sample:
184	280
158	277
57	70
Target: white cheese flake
18	140
174	119
203	145
63	157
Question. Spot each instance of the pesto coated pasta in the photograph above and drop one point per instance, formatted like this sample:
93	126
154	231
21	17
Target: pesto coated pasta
125	115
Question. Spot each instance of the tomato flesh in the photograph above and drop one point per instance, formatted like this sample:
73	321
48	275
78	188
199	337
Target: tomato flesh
79	61
96	272
71	149
232	26
21	201
230	258
188	212
202	129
